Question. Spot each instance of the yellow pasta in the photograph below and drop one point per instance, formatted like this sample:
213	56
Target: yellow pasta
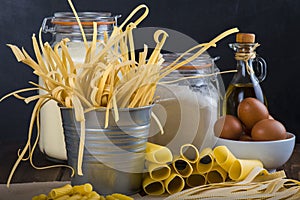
75	197
121	196
206	161
224	157
40	197
64	197
158	154
58	192
153	187
78	192
94	195
158	171
216	175
182	167
195	179
276	188
174	183
189	152
83	189
243	179
240	168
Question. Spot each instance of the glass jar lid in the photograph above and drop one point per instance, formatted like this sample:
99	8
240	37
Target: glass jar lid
204	64
65	22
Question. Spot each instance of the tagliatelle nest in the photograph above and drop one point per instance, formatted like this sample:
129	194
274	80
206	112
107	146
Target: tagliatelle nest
110	77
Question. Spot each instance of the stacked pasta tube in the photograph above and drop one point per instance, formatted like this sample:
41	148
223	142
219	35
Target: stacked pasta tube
78	192
192	168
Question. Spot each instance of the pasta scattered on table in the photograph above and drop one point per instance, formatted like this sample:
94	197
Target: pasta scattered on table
218	174
78	192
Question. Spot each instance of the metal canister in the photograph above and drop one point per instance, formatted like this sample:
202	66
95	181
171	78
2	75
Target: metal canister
113	159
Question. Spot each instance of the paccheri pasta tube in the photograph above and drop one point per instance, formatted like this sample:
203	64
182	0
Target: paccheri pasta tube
196	179
224	157
189	152
174	183
158	171
216	175
158	154
240	168
182	167
206	161
153	187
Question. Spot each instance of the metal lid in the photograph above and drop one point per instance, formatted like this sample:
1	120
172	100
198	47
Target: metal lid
201	62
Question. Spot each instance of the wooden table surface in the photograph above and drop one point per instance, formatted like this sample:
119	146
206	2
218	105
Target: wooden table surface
26	173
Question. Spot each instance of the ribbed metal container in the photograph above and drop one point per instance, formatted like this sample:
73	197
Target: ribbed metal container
113	159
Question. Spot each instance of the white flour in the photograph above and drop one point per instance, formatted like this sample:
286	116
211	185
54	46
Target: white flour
187	117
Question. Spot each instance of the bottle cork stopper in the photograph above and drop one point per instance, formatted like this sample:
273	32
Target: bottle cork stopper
245	37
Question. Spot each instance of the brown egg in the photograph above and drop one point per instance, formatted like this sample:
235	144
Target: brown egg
268	130
250	111
228	127
245	137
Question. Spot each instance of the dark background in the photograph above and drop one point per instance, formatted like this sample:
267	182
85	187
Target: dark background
275	23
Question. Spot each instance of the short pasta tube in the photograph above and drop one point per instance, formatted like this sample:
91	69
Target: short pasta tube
153	187
75	197
64	197
61	191
158	154
40	197
158	172
216	175
174	183
121	196
189	152
240	168
83	189
195	179
224	157
182	167
206	161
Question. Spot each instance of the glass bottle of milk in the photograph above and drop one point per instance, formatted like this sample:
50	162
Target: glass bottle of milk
64	25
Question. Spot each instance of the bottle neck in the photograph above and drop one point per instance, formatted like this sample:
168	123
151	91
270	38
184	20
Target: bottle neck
245	73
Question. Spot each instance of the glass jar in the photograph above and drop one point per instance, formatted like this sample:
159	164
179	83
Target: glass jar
64	25
187	109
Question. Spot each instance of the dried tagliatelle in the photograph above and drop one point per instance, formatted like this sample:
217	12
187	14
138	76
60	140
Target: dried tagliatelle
111	77
268	186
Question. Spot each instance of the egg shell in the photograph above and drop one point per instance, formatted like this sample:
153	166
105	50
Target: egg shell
268	130
228	127
245	137
250	111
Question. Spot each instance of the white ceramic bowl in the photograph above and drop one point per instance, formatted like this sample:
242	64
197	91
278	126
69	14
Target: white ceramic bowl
273	154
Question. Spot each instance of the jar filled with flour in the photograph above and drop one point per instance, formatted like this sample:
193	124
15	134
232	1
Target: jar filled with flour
188	104
64	25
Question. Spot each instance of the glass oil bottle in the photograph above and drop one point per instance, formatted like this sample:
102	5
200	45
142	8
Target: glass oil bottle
245	83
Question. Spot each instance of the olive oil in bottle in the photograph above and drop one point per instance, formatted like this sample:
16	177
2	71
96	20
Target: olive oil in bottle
237	92
245	83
